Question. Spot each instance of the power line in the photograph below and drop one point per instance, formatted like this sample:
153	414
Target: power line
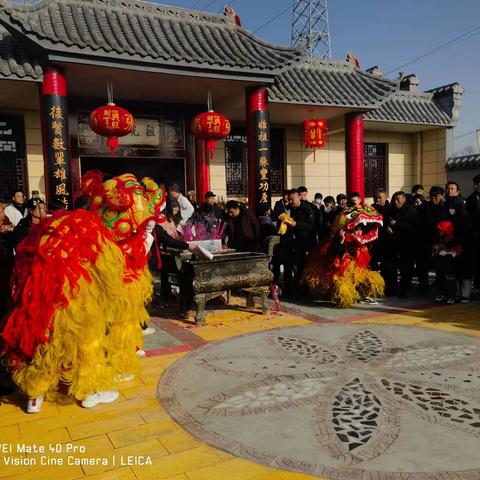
453	41
272	19
211	3
465	134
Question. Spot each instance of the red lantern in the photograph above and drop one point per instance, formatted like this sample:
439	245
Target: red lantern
210	126
314	134
112	121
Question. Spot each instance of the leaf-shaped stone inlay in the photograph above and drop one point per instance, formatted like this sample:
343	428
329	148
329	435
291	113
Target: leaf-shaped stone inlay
270	394
257	366
429	356
365	346
355	413
305	348
439	404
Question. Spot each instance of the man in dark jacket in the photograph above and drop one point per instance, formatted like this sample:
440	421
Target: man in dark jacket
317	213
211	199
453	198
377	252
296	243
281	206
329	212
243	229
473	209
400	220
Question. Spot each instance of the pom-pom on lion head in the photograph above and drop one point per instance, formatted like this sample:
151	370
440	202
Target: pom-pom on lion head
125	204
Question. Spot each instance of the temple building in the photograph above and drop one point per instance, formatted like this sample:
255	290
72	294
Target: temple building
162	61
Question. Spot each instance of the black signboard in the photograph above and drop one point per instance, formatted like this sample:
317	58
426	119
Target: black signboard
262	160
57	152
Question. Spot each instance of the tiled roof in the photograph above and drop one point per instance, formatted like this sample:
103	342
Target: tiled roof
410	107
438	106
330	83
148	33
466	162
14	63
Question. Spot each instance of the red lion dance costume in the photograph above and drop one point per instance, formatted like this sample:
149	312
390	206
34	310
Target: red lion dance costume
80	286
339	269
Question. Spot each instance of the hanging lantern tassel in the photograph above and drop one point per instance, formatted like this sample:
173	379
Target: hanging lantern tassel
211	147
112	143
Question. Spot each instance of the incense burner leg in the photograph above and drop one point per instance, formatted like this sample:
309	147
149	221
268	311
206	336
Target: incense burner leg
200	301
250	299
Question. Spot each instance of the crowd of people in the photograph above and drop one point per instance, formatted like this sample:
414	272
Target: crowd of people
423	232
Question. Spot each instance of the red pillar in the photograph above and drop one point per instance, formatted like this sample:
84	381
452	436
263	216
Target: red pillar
201	170
258	147
56	139
354	153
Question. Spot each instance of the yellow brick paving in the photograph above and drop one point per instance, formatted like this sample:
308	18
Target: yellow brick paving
137	425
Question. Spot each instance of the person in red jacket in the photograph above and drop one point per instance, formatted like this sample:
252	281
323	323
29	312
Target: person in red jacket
446	252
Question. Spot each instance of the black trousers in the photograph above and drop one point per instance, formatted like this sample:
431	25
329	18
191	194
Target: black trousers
423	260
293	254
445	270
398	260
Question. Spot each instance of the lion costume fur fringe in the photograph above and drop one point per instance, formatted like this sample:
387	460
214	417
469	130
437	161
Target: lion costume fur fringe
79	292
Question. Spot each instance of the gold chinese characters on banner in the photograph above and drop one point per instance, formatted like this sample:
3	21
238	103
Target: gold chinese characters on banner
262	133
58	152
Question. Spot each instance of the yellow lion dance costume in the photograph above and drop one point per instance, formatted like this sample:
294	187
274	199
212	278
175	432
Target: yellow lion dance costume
80	287
339	269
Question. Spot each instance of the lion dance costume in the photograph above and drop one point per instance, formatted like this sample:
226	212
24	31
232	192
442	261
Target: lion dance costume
341	270
80	286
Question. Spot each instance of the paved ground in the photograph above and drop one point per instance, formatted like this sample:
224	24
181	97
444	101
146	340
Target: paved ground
138	425
336	400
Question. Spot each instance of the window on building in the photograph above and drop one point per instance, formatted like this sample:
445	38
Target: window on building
375	155
12	156
236	162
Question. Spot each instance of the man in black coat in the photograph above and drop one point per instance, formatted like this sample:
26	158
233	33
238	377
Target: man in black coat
377	251
281	206
317	213
295	244
473	209
400	220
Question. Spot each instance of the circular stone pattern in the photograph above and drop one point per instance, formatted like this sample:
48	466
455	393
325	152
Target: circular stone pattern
341	401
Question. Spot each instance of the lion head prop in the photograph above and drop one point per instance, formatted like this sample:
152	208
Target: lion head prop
360	223
125	204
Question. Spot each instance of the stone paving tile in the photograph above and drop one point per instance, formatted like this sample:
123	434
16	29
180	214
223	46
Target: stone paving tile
123	473
234	469
136	434
178	463
95	427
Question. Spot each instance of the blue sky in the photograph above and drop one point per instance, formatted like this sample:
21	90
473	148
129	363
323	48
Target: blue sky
388	33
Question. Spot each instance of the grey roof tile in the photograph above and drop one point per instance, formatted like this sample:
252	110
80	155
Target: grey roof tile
410	107
148	33
330	83
14	63
466	162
